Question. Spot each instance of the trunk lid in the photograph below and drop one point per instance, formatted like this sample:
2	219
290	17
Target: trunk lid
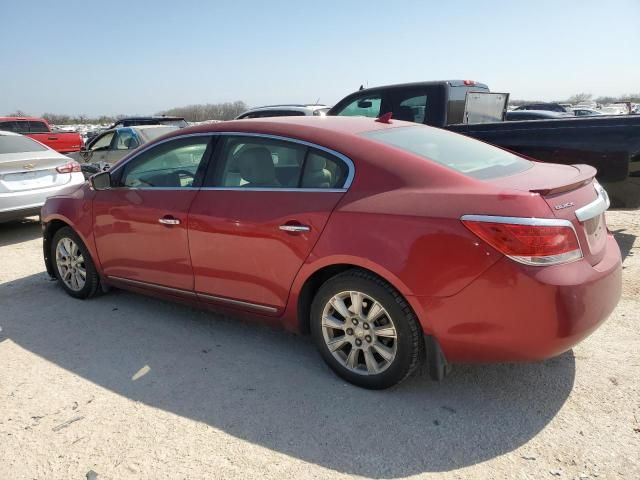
571	193
31	171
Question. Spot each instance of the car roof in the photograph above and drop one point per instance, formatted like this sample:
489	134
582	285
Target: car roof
295	126
10	119
3	132
151	117
453	83
292	106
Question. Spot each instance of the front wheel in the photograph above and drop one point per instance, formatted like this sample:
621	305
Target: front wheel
73	265
365	330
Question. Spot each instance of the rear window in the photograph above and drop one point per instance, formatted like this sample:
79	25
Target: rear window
153	133
465	155
18	144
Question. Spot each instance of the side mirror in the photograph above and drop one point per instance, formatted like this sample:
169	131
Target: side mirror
364	104
101	181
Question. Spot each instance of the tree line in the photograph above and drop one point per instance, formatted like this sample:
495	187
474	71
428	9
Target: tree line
230	110
191	113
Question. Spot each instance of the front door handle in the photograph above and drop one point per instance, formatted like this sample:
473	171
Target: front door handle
169	221
295	228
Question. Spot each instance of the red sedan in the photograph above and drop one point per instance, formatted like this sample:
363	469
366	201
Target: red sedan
384	240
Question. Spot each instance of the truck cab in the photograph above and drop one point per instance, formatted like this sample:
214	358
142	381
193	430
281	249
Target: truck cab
437	103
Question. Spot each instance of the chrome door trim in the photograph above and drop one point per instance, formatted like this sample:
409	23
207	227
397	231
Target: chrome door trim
238	303
595	208
339	155
194	295
138	283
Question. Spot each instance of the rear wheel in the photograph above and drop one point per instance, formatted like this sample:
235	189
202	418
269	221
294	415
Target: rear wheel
365	330
73	265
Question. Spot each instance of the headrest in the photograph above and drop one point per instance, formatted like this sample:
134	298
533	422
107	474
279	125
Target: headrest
256	167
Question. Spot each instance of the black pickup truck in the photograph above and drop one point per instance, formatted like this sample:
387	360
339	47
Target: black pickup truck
609	143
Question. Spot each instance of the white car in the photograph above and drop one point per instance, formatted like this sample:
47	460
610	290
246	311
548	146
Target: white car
614	110
586	112
29	173
293	110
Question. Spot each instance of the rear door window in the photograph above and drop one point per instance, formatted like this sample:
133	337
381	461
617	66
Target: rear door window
38	127
257	162
323	170
22	126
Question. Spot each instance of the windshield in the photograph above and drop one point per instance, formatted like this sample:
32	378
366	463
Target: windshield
463	154
19	144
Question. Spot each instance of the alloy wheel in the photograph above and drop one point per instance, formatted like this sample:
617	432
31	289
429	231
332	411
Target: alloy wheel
359	332
70	262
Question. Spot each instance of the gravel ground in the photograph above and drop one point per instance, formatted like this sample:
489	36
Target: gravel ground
133	387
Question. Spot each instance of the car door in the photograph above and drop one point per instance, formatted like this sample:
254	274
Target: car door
98	148
140	224
262	208
122	143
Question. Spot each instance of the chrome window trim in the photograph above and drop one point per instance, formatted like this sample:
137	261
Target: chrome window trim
595	208
192	294
562	258
276	189
344	158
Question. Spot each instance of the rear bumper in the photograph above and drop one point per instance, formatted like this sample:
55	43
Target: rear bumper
13	204
8	215
517	313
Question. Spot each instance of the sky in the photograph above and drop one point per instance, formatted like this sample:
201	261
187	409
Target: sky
142	57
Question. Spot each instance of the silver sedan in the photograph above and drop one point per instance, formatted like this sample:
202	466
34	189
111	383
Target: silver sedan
29	173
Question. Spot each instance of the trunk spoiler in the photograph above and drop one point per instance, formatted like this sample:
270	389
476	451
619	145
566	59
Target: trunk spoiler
586	173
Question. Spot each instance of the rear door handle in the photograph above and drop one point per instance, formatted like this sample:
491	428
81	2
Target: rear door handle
295	228
169	221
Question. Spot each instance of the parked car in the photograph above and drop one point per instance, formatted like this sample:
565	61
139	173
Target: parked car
178	122
112	145
613	110
375	237
30	172
534	115
172	121
40	130
610	144
550	106
294	110
586	112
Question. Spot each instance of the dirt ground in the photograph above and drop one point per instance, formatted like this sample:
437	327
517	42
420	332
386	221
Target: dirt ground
131	387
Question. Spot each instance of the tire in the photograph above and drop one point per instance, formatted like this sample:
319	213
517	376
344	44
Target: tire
69	267
361	347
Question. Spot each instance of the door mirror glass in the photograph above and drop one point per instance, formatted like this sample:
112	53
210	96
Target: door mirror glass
101	181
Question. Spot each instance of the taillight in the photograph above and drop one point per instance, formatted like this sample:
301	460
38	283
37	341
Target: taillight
533	241
70	167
